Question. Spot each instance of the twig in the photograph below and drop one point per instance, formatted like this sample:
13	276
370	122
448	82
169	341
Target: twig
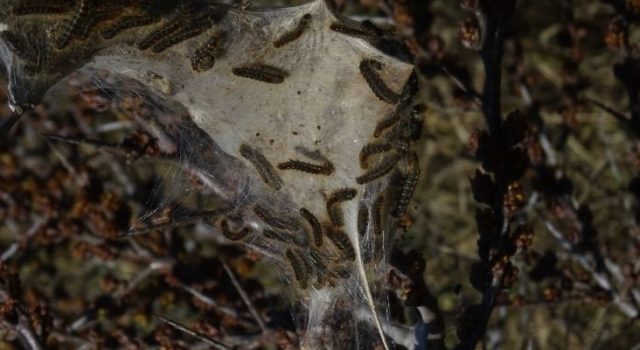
216	344
629	309
245	297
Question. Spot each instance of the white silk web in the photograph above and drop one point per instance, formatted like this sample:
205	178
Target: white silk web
289	118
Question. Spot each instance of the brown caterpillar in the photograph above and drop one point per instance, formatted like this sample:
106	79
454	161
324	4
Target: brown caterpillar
262	165
316	227
333	204
295	33
127	23
261	72
378	248
157	35
273	220
39	9
371	149
233	235
382	169
351	31
298	267
177	37
205	56
325	169
376	215
363	218
407	187
369	69
284	236
68	29
84	28
386	123
342	242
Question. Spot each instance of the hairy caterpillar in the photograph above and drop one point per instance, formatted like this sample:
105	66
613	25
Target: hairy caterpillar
157	35
333	204
351	31
316	227
376	215
386	123
204	57
261	72
69	29
407	186
298	267
325	169
91	21
382	169
273	220
177	37
127	23
262	165
284	236
371	149
233	235
39	9
378	248
295	33
342	242
369	69
363	218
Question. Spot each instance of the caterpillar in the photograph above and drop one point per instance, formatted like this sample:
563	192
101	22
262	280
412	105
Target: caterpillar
363	218
84	28
407	187
371	149
333	204
376	215
204	57
295	33
69	28
39	9
386	123
351	31
382	169
157	35
261	72
342	242
284	236
369	69
262	165
233	235
297	265
183	34
378	248
316	227
325	169
127	23
273	220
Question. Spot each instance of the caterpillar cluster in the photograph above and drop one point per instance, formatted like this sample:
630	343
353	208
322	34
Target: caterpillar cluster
303	239
399	128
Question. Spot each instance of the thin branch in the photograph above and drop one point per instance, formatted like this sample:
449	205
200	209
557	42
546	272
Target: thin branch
245	297
216	344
